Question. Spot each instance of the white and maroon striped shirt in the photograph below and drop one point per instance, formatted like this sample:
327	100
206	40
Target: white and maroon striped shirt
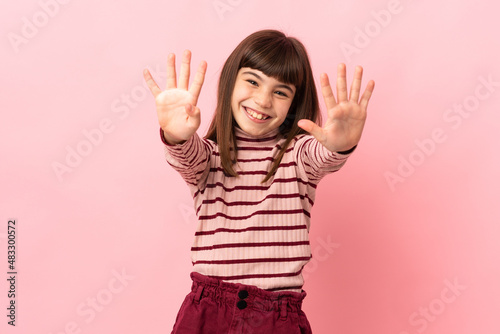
251	232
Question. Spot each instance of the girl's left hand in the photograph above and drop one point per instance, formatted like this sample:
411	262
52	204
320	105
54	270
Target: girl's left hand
346	117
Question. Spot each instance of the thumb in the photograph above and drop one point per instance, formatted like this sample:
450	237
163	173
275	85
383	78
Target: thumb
194	114
190	110
314	129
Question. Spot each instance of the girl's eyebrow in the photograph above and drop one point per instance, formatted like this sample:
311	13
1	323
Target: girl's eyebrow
260	78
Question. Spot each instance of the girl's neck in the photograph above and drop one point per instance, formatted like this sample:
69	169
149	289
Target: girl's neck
242	136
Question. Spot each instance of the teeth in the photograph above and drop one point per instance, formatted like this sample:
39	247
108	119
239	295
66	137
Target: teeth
256	115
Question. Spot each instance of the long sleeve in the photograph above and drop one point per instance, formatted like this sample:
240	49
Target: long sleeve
191	159
314	161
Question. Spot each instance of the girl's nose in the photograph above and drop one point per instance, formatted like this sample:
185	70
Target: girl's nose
262	99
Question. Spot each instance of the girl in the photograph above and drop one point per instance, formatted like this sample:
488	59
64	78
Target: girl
253	178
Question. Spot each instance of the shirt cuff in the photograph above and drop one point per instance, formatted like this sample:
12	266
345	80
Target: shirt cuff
348	151
164	141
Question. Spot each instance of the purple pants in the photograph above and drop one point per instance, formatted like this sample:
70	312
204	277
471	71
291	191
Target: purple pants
216	307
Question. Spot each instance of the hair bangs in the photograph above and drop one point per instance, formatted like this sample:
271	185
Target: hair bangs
276	59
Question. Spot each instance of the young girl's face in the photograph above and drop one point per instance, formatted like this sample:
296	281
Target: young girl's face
260	103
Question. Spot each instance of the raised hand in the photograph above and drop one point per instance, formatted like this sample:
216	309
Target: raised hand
178	115
346	116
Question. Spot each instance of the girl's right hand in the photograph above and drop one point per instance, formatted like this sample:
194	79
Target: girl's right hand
178	115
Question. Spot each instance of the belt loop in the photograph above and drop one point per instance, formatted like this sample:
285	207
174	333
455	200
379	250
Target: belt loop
199	292
282	307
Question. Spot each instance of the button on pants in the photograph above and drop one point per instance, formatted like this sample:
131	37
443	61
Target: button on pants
216	307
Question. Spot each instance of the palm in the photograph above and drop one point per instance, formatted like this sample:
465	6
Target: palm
178	115
171	109
346	116
344	125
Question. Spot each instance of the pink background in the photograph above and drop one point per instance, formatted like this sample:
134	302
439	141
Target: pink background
413	212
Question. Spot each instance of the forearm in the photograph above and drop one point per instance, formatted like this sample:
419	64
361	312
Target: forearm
190	158
316	160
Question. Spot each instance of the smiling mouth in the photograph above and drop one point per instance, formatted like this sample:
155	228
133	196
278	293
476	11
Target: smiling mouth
255	114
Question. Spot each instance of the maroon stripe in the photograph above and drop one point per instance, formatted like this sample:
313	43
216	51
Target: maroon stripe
220	184
309	170
239	277
310	200
195	154
288	164
293	179
282	180
253	228
255	172
220	199
250	244
208	145
256	140
244	148
251	172
256	160
186	166
261	212
187	181
308	141
306	155
189	172
189	160
239	261
334	158
317	154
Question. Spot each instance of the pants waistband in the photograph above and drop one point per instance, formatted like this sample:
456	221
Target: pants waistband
243	295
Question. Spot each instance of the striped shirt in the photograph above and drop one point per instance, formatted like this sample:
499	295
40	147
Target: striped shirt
251	232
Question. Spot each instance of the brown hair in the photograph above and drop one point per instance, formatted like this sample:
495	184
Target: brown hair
278	56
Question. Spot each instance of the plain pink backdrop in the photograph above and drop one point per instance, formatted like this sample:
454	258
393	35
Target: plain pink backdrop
414	211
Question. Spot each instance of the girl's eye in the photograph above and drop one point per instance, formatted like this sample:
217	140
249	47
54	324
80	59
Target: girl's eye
281	93
252	82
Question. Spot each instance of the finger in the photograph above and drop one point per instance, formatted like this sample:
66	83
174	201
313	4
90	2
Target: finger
314	129
356	84
153	87
367	95
171	75
341	84
185	70
198	80
327	92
